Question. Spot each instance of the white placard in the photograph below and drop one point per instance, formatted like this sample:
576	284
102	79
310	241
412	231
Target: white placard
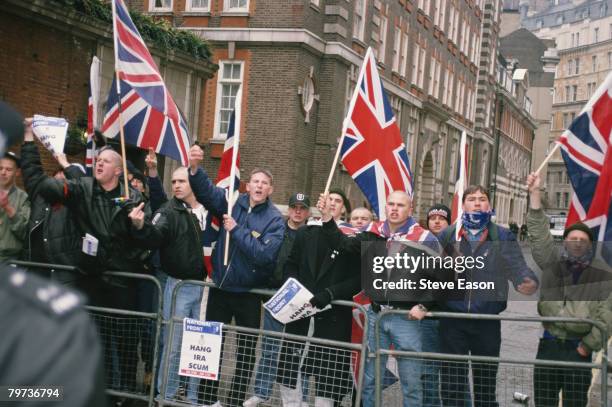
291	302
201	349
51	131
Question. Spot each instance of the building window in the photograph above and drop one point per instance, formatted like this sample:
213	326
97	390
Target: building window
236	5
558	199
566	199
161	5
595	34
570	67
539	23
230	80
609	59
565	120
397	39
560	19
404	55
359	19
198	5
577	66
577	39
594	63
383	39
574	92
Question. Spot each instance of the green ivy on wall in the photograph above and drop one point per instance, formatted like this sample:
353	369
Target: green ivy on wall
156	31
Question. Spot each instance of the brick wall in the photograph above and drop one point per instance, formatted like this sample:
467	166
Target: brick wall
47	73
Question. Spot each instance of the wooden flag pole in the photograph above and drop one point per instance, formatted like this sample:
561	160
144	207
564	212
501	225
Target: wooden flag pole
345	122
118	87
230	199
126	185
548	157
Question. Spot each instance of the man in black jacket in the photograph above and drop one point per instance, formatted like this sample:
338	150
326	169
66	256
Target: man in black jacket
329	274
53	235
177	230
120	247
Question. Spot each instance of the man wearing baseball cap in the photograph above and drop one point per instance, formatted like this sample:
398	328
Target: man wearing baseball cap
298	212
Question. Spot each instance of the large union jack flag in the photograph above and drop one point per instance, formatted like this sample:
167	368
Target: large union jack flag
150	117
372	149
588	159
211	233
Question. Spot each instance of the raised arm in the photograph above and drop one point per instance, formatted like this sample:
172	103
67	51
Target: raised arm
212	197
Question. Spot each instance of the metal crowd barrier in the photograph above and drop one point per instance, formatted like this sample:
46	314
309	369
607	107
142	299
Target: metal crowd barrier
298	357
130	339
514	383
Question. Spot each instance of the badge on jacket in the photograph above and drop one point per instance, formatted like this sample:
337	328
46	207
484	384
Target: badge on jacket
255	234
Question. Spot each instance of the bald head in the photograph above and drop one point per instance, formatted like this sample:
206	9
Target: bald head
108	169
398	208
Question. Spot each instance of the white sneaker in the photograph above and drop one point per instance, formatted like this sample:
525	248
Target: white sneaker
253	402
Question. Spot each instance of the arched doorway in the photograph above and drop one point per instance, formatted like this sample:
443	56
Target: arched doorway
425	190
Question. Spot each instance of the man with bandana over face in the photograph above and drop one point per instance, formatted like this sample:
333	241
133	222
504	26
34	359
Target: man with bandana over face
574	284
502	261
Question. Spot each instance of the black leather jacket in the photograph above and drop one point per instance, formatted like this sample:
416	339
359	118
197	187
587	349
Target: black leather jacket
53	235
176	232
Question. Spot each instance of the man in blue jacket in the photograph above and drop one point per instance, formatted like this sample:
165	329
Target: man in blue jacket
503	261
256	232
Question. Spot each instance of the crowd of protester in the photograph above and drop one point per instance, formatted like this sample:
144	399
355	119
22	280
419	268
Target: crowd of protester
59	214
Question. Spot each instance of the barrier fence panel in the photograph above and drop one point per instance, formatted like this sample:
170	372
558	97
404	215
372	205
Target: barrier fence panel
130	338
305	369
460	380
122	307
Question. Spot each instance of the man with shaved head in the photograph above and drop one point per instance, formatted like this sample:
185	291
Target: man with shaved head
401	331
93	202
176	232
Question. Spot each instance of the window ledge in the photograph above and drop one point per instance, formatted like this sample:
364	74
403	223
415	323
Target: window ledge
196	13
217	140
315	7
360	42
161	12
234	14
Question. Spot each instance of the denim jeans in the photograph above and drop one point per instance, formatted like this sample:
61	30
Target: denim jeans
188	301
268	363
405	335
430	372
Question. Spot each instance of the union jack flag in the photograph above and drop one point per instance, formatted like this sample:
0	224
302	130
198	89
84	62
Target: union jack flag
588	159
211	233
372	149
460	185
150	117
92	114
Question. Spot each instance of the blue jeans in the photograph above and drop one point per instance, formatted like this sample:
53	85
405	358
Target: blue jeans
268	363
405	335
188	302
430	372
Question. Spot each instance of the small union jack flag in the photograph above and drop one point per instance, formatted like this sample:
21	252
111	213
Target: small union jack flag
585	147
150	116
372	149
211	234
92	114
460	185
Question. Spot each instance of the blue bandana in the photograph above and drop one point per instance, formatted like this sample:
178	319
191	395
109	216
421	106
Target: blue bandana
476	220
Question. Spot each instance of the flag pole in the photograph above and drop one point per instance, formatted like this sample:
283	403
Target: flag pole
230	200
345	121
118	88
548	157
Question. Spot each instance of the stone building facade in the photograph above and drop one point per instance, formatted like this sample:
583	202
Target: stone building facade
297	62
